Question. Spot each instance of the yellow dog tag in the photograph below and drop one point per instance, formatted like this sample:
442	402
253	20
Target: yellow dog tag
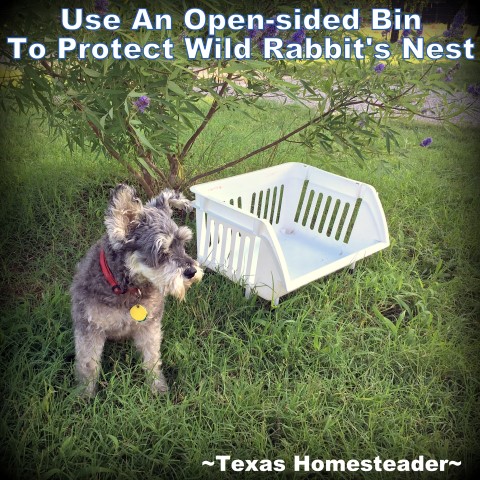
138	313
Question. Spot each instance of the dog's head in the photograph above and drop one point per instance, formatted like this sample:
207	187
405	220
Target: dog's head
153	244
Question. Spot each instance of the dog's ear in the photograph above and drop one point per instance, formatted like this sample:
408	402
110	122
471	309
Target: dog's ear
184	234
169	198
123	213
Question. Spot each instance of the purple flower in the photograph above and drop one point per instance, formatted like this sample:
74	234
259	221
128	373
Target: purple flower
142	103
379	68
405	33
459	18
448	78
259	36
439	70
253	33
298	36
270	30
101	6
426	142
457	25
419	32
474	89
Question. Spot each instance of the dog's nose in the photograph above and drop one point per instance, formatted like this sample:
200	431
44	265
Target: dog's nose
190	272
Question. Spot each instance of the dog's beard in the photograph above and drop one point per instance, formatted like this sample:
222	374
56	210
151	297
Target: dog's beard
167	278
179	284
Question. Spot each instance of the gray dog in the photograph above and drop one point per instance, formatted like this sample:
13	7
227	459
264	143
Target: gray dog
119	288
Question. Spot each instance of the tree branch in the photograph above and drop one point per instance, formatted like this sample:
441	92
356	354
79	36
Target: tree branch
270	145
207	118
51	72
347	103
147	156
114	153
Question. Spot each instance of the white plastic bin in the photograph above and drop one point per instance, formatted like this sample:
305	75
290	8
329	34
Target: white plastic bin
279	228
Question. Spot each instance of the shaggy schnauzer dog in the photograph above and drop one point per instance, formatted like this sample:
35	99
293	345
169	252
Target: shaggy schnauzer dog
119	287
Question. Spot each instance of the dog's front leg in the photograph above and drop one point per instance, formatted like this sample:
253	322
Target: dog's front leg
88	355
148	338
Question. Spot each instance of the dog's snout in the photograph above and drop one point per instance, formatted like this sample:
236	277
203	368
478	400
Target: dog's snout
190	272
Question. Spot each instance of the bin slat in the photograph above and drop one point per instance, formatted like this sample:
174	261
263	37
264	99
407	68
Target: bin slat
224	240
231	255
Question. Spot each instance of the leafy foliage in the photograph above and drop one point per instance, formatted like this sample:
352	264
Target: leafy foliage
147	114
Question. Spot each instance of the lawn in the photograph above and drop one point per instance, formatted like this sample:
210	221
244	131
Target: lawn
382	362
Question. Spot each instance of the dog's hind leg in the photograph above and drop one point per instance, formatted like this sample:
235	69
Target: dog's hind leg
148	339
88	356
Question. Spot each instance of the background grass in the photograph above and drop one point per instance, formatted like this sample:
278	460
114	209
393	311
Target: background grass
383	361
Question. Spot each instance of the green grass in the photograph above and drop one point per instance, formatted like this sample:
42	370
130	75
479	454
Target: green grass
379	362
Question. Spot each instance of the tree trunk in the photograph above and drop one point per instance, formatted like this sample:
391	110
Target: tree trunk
173	177
394	36
396	4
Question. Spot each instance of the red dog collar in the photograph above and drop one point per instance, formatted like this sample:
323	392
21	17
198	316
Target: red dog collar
107	273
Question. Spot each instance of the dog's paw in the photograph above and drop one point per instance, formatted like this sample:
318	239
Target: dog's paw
87	391
159	385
